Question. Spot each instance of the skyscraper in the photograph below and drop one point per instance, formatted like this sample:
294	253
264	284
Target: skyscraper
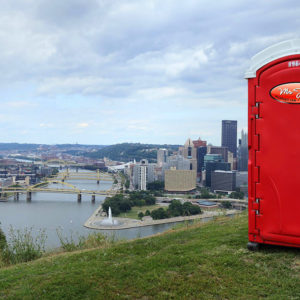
223	181
243	152
219	150
201	148
229	135
190	152
213	166
201	152
162	155
143	173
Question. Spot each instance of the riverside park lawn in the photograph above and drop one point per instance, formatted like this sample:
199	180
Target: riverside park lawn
200	261
135	210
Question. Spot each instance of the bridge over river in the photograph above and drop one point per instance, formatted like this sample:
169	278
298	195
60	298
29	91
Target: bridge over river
98	176
67	188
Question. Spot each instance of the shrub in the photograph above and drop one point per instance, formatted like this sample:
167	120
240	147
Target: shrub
94	240
78	242
140	215
69	243
3	242
22	246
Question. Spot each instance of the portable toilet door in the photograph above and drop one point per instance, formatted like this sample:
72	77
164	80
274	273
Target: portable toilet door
274	146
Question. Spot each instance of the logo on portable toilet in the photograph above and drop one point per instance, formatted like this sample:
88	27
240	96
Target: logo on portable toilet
287	93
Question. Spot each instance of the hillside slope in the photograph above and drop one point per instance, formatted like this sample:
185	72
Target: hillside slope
130	151
204	261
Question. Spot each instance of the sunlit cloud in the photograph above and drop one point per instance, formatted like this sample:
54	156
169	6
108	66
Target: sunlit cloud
82	125
46	125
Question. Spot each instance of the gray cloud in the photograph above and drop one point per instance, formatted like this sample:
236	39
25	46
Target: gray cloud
159	53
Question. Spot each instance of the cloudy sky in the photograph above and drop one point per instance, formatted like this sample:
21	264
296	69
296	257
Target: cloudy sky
149	71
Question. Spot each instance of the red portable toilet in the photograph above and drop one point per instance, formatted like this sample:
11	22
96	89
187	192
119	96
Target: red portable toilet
274	146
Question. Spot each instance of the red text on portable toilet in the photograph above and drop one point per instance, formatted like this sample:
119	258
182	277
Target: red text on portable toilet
274	146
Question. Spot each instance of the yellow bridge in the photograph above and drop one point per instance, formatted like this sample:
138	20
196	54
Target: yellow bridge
98	176
40	187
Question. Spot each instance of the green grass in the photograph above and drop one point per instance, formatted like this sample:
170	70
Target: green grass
204	261
135	210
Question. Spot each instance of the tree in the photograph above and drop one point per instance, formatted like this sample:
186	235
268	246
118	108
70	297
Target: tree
140	215
124	205
117	203
140	198
127	184
112	204
156	186
175	208
189	209
158	193
226	204
149	199
140	202
158	214
205	193
237	195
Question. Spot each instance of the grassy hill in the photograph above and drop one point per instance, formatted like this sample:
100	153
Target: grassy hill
202	261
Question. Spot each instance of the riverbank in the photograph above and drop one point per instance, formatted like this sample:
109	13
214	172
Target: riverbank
94	221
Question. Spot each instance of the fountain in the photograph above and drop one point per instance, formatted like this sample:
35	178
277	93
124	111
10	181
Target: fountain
109	221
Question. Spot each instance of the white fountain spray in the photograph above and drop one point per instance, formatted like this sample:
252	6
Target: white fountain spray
109	221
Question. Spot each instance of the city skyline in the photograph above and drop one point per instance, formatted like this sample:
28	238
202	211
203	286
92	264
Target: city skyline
107	72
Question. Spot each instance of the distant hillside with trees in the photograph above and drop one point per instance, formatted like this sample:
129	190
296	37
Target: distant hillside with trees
17	146
72	148
130	151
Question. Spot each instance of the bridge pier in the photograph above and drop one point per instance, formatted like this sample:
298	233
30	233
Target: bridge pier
28	196
93	198
79	197
16	196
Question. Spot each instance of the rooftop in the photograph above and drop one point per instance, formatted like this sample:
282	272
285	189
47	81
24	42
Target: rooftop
271	53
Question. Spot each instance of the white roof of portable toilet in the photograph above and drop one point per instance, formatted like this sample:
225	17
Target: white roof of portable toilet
271	53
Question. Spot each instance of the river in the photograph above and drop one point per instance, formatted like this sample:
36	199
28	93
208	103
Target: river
57	211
